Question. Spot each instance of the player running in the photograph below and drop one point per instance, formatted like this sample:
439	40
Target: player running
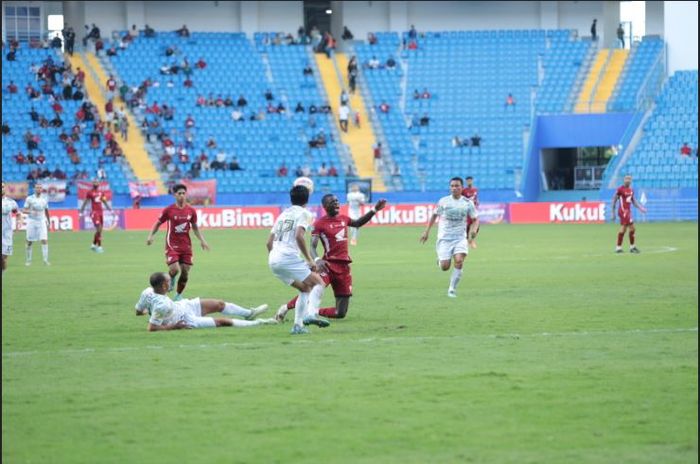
471	193
96	199
9	207
166	314
625	194
453	211
355	201
334	267
290	262
178	246
36	207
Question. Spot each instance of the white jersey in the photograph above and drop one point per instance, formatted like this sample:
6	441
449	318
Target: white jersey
355	201
164	311
37	207
145	302
453	217
9	206
285	229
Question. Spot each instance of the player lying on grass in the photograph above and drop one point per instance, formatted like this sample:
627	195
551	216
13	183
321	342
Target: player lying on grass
334	267
166	314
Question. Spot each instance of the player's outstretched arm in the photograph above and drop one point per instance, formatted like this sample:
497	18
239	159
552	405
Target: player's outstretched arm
638	205
474	229
426	233
154	229
198	234
320	263
106	204
612	207
361	221
177	326
270	239
82	207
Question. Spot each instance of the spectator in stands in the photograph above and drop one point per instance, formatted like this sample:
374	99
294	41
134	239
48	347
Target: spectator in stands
58	174
20	158
686	150
332	171
325	108
5	128
308	70
299	108
242	102
111	86
594	31
306	171
475	142
377	155
201	101
56	121
148	31
390	63
237	115
33	114
11	55
101	173
67	92
124	127
69	37
271	108
298	171
189	122
111	51
347	35
282	171
426	95
425	120
344	98
384	107
281	108
352	74
201	64
268	95
412	45
31	140
412	33
78	95
510	102
12	87
183	31
621	35
350	171
323	170
211	143
371	38
188	83
99	46
219	161
313	109
182	155
457	142
40	159
343	115
228	101
33	176
234	165
30	158
373	63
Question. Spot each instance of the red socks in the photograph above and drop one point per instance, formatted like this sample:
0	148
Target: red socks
328	312
292	303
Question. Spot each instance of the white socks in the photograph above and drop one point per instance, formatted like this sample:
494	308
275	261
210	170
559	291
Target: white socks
300	309
232	309
45	252
240	323
454	279
314	300
28	254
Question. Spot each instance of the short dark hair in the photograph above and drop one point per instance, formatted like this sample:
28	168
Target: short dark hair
157	279
457	179
177	187
469	178
299	195
327	197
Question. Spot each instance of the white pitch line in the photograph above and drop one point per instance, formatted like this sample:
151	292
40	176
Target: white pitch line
584	333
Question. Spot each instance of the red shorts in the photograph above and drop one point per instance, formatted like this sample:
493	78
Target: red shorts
338	277
97	219
184	257
625	218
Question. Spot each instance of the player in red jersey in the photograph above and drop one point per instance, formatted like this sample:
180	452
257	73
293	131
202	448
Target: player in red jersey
178	246
96	199
625	194
471	193
332	231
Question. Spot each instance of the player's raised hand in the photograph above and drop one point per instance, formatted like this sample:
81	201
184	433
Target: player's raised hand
380	205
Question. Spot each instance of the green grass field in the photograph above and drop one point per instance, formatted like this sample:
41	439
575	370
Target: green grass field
556	350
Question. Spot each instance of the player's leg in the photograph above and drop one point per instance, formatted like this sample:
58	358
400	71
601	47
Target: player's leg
209	306
341	281
45	251
316	285
633	246
4	262
456	276
28	253
182	281
620	236
237	323
98	236
173	271
444	254
291	304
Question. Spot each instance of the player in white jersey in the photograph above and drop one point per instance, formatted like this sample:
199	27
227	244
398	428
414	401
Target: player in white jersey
166	314
9	207
355	201
453	211
36	207
290	261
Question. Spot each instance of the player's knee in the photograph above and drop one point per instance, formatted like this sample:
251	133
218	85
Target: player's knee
445	266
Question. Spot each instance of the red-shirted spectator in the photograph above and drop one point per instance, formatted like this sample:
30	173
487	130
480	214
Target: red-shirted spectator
219	101
332	171
686	150
510	101
203	157
20	159
412	45
57	108
201	64
154	108
282	171
189	122
201	101
11	87
384	107
426	95
111	84
80	75
188	83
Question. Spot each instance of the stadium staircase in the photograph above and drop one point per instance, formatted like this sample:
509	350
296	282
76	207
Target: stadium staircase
601	81
134	148
583	104
359	140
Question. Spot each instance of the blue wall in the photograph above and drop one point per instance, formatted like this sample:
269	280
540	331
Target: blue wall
568	131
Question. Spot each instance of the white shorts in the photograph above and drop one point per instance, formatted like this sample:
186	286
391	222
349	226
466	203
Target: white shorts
36	230
193	314
447	248
6	249
289	268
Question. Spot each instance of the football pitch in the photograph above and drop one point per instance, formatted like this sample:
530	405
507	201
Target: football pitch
556	350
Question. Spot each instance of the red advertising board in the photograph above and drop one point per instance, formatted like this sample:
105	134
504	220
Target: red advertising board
562	212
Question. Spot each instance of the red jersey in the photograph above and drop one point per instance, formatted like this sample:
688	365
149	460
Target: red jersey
179	221
95	197
471	193
333	231
625	195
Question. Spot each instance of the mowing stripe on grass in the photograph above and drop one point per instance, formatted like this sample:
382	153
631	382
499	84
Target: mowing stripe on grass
584	333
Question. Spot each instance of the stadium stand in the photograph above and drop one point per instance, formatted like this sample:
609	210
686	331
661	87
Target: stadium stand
235	67
657	161
16	108
640	64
